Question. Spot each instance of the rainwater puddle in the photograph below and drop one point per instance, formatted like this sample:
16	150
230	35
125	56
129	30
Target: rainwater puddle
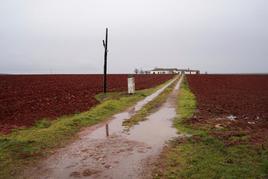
115	124
120	155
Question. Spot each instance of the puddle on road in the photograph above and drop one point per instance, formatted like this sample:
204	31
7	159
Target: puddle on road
115	124
122	154
141	103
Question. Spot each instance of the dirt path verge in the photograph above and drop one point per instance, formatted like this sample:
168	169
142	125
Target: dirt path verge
124	154
205	153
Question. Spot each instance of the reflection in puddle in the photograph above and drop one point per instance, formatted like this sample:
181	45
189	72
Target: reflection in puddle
108	151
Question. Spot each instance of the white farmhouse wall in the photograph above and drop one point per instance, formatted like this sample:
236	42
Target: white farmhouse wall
163	72
160	72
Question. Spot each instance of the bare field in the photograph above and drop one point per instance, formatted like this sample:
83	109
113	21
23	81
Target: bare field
237	103
27	98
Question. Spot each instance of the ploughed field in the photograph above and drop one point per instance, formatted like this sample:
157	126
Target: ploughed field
24	99
233	105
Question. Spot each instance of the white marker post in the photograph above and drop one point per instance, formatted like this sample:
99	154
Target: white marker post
131	85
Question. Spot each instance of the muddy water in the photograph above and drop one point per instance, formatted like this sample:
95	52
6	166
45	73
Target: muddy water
123	154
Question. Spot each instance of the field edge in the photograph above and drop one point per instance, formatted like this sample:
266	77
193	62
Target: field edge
201	155
24	147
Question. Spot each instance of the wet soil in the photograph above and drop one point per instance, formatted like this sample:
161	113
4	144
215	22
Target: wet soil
24	99
232	106
123	154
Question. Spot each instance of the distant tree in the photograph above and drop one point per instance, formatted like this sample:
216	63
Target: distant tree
136	71
141	71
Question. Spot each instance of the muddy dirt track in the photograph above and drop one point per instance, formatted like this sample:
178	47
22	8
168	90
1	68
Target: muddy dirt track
235	102
124	154
27	98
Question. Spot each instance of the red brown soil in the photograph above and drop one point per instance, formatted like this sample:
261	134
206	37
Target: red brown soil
25	99
243	96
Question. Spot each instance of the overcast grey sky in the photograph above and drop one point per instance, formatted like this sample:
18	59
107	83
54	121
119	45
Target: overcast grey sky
65	36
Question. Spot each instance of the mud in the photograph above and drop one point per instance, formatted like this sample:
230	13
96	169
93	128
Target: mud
232	103
123	154
25	99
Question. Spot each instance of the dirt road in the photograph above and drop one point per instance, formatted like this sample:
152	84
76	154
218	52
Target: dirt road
124	154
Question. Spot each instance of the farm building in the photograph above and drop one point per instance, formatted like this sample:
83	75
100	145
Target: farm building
164	71
173	71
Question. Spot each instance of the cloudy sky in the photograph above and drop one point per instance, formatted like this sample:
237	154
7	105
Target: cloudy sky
65	36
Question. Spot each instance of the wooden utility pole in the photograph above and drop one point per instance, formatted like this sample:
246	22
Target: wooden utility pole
105	45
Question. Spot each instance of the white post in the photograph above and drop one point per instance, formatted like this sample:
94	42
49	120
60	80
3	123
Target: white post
131	85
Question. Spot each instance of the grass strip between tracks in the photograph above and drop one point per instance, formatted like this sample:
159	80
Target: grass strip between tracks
205	156
149	107
23	147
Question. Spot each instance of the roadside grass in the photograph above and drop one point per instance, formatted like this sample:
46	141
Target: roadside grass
23	147
205	156
149	107
111	95
186	106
